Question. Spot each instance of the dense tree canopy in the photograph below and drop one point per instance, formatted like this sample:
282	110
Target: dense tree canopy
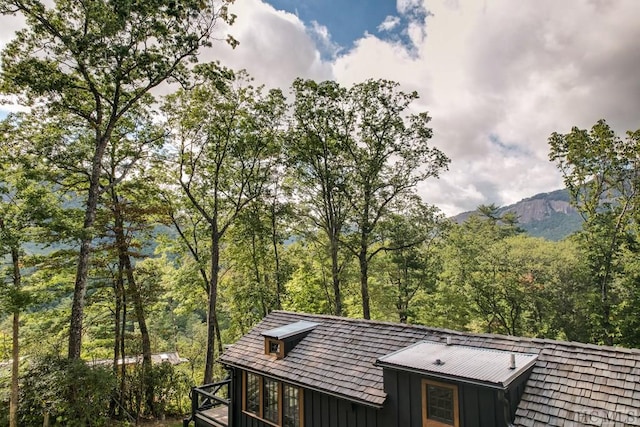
226	138
601	172
98	61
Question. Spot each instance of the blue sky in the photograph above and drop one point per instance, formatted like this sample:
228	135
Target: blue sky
346	20
349	20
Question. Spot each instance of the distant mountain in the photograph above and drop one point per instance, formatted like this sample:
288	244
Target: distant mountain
547	215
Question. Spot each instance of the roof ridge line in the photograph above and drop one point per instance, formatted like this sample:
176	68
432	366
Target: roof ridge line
516	339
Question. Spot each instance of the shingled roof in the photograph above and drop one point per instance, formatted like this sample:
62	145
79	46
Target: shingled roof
570	384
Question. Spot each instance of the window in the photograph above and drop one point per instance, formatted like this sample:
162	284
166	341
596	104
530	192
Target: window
271	401
277	403
291	407
252	393
439	404
274	347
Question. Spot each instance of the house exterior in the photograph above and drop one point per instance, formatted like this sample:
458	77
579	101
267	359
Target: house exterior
302	370
171	357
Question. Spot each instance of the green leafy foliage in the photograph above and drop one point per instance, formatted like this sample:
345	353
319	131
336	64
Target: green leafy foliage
602	175
68	392
226	134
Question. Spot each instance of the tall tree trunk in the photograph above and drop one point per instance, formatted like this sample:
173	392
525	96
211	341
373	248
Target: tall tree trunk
211	310
335	276
257	276
138	306
606	313
80	288
276	257
403	294
218	337
15	353
123	367
363	258
118	290
125	261
402	304
364	282
207	285
79	293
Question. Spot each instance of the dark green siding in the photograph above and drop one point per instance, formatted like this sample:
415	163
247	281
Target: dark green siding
479	406
320	410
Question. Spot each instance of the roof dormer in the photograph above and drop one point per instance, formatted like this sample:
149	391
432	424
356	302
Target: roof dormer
279	341
448	375
488	367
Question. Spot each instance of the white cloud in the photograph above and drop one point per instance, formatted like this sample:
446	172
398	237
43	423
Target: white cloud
275	46
389	23
517	70
406	7
321	34
514	70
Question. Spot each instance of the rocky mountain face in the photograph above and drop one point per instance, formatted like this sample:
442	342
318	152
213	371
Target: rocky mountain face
547	215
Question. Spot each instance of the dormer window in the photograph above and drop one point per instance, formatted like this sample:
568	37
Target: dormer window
279	341
274	347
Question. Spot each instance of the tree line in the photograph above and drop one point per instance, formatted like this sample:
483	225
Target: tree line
132	223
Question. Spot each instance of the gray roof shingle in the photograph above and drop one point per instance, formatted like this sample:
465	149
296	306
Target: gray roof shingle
570	384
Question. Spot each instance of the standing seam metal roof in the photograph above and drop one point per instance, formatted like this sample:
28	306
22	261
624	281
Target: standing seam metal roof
460	362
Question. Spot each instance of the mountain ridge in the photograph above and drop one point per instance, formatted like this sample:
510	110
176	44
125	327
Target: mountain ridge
547	215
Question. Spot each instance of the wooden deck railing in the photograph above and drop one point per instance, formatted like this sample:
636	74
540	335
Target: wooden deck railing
205	399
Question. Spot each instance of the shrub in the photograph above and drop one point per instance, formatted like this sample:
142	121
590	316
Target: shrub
69	391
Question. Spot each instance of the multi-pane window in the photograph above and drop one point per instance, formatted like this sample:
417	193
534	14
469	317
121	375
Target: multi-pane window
274	347
276	402
271	401
290	406
439	404
252	393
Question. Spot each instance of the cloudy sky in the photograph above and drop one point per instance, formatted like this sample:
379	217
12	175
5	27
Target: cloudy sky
497	76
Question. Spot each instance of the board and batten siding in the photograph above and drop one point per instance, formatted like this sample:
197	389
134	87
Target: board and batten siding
478	406
320	410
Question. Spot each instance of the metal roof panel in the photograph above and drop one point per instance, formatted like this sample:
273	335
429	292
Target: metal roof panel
290	330
459	361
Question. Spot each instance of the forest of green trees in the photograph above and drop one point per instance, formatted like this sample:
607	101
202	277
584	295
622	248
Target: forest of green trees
132	224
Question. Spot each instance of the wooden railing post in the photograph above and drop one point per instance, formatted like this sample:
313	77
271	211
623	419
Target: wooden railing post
195	397
205	397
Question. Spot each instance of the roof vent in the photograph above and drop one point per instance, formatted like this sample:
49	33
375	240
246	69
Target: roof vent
512	361
438	362
449	340
279	341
